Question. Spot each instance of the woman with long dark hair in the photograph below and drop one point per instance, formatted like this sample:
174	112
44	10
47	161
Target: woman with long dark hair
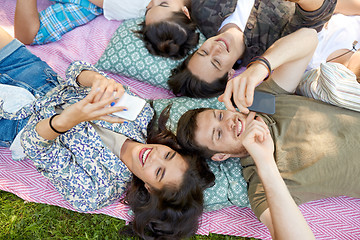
90	156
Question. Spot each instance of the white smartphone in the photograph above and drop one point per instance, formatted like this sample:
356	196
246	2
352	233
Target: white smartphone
134	106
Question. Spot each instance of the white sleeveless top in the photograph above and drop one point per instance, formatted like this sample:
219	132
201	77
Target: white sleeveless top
124	9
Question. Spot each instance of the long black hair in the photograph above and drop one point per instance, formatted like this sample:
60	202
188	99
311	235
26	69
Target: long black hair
169	213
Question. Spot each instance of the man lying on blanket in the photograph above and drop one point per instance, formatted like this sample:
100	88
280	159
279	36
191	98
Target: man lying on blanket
314	145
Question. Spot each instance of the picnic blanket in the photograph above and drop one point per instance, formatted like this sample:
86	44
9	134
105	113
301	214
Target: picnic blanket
332	218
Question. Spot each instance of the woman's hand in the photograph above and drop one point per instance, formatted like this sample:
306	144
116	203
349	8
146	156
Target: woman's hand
241	88
257	140
97	105
87	109
95	80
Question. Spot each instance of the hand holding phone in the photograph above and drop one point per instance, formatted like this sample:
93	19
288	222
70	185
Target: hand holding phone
263	103
133	104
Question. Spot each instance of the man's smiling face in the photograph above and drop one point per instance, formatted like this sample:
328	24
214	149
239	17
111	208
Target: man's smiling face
220	130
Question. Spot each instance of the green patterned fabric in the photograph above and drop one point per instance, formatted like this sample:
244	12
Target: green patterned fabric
182	104
126	55
230	187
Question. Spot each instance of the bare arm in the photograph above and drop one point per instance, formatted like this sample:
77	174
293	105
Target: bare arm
92	107
348	7
288	57
283	218
99	3
26	22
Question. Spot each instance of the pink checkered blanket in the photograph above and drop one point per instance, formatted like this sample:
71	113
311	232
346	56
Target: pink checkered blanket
332	218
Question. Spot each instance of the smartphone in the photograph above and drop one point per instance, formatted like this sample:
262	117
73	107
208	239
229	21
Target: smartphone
133	104
263	103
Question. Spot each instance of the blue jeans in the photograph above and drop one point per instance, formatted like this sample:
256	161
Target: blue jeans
19	67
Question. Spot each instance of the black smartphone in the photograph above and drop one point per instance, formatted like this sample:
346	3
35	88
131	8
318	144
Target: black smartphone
263	103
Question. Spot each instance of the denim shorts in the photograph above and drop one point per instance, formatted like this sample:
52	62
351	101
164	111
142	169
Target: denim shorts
19	67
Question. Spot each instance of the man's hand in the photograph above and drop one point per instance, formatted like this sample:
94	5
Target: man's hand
257	140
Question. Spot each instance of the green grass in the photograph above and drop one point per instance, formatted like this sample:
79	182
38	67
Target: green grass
24	220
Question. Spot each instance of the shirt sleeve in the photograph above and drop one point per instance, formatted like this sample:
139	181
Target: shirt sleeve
84	172
83	182
76	68
314	19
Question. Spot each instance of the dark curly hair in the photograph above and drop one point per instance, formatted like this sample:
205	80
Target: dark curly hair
183	82
169	213
186	128
173	38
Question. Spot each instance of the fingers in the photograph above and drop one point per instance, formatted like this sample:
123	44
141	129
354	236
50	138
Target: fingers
249	95
226	97
235	94
112	119
93	94
258	128
107	87
100	110
250	117
119	90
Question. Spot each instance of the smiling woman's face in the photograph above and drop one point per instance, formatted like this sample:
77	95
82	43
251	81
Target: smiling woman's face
214	58
157	165
217	55
160	10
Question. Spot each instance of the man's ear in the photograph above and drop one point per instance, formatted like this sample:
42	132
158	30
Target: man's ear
186	12
231	74
148	188
220	156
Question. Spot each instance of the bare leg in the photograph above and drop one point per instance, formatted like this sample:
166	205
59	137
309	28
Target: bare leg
348	7
98	3
26	23
5	38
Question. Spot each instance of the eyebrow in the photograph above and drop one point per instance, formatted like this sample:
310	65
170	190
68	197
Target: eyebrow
215	65
213	132
163	173
172	156
198	53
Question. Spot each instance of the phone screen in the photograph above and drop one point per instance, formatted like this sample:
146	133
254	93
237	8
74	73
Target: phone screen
263	103
134	105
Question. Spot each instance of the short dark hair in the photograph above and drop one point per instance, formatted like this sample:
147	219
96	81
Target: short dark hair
172	212
173	38
183	82
185	133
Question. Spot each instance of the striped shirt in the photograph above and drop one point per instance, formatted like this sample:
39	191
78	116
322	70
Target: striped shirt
332	83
